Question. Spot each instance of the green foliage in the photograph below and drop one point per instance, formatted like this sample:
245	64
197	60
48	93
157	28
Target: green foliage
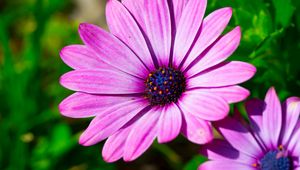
32	32
195	162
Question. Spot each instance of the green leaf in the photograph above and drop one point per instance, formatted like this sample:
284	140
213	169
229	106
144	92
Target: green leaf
195	162
283	12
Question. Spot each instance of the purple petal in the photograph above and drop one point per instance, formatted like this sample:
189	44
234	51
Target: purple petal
255	108
142	135
112	120
206	106
169	124
81	105
272	118
239	137
292	114
101	82
231	94
123	26
219	52
226	74
221	150
112	50
82	57
195	129
212	27
228	165
189	24
154	18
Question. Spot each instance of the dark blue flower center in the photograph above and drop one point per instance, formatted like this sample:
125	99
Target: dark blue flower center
275	160
164	86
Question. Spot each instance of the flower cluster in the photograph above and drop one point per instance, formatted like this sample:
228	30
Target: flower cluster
161	71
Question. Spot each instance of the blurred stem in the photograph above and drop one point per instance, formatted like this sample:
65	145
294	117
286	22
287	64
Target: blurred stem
171	157
7	67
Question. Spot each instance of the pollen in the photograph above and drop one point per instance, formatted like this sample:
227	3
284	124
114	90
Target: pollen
164	86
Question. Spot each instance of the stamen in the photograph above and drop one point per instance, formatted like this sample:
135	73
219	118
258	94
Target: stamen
275	160
164	85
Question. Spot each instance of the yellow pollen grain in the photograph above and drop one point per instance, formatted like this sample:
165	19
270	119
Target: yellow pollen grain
165	82
155	88
160	92
280	147
254	165
170	77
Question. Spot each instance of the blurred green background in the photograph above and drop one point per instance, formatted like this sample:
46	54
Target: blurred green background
34	136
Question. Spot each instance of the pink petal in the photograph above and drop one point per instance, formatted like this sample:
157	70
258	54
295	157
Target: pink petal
154	18
178	6
225	74
219	52
101	82
195	129
123	26
112	50
231	94
272	118
221	150
113	148
136	8
239	137
203	105
81	105
294	143
292	114
228	165
169	124
112	120
212	27
82	57
142	135
189	24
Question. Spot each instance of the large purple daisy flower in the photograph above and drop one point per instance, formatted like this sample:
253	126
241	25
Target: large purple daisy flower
271	142
160	71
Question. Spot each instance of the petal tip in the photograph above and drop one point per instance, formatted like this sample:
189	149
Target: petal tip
228	10
128	158
107	158
272	91
82	141
163	140
62	108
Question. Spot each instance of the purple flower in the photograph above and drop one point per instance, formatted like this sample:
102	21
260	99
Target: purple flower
270	142
160	71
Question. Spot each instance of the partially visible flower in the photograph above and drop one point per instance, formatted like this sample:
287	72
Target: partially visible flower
160	71
270	142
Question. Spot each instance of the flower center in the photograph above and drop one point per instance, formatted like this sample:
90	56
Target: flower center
275	160
164	85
